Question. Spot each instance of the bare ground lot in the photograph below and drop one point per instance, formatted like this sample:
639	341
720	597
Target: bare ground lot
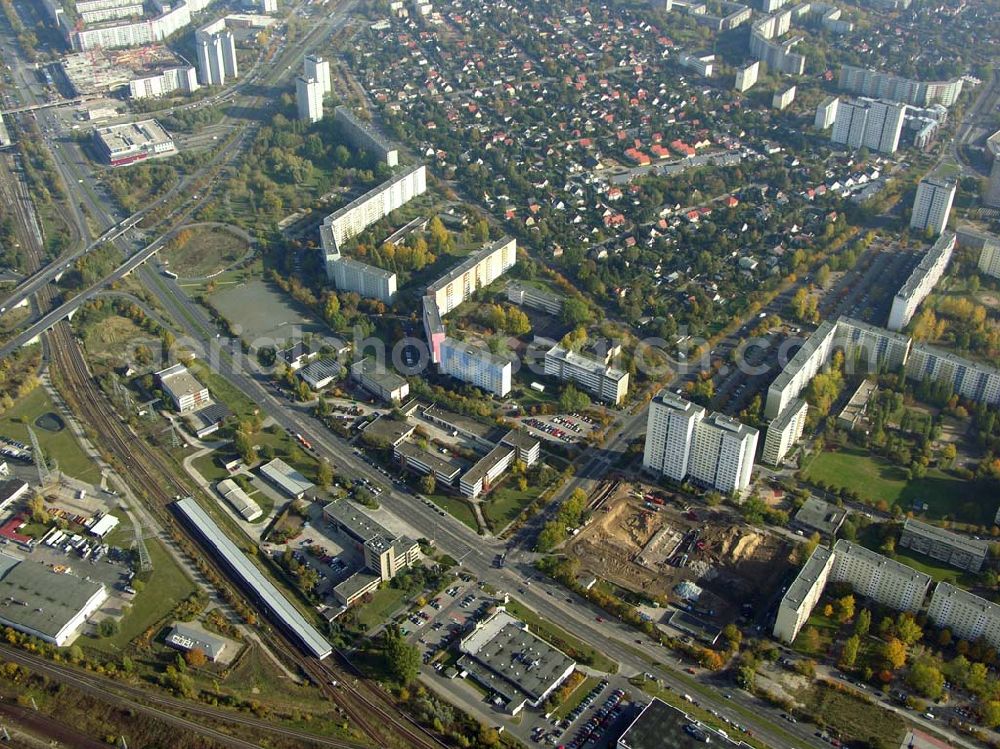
263	311
204	250
638	549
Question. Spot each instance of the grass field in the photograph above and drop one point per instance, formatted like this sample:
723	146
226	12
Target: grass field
875	479
209	250
384	604
167	585
505	503
581	691
109	336
560	638
852	717
60	446
456	507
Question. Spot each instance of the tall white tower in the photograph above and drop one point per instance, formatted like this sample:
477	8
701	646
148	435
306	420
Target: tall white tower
308	99
319	70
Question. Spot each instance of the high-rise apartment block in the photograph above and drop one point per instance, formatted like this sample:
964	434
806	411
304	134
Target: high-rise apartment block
921	281
988	247
966	615
746	77
597	376
872	575
216	48
784	431
932	205
826	112
669	433
308	99
968	379
867	123
362	134
879	85
683	440
476	365
318	69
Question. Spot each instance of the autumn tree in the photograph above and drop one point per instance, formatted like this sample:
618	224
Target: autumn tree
894	653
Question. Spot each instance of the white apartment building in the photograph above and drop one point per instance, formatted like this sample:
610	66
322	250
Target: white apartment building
784	431
308	99
879	578
670	424
802	595
702	64
881	85
183	79
216	49
921	281
783	99
868	348
746	77
373	206
826	113
932	204
872	575
992	195
722	453
969	379
476	365
965	615
369	281
318	69
363	135
801	368
876	125
989	257
477	270
526	295
598	378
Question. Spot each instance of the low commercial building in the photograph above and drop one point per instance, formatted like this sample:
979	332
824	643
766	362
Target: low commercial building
411	456
967	616
482	435
481	477
660	725
120	145
527	295
182	388
320	374
854	410
784	431
387	431
11	491
599	378
959	551
821	517
378	380
239	500
49	605
476	365
512	663
286	478
186	638
207	419
384	553
528	448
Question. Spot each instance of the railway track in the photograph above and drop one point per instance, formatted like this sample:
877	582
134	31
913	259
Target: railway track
151	476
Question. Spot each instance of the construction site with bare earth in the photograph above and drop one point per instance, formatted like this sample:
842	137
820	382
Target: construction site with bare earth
705	561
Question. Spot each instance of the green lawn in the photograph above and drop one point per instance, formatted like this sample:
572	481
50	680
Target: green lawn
581	691
166	586
560	638
385	602
506	503
60	446
222	390
875	479
456	507
207	466
939	571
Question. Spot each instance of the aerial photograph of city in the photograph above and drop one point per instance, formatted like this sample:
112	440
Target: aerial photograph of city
482	374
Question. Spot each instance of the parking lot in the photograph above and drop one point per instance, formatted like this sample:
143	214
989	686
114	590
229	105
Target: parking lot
560	428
